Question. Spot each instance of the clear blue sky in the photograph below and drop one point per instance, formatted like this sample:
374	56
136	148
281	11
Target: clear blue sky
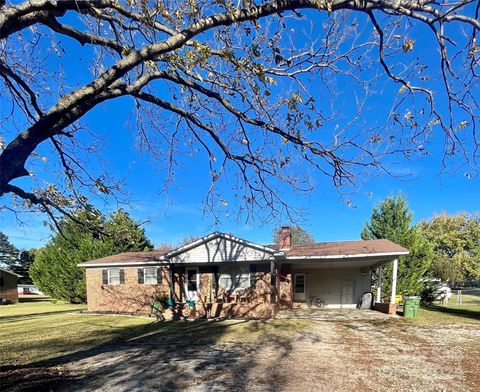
328	216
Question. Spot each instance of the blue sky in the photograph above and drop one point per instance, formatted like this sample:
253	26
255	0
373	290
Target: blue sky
328	215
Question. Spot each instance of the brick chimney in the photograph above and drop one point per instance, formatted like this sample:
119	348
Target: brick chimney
285	238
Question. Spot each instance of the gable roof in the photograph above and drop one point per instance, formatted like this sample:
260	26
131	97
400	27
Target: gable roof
215	235
317	250
10	272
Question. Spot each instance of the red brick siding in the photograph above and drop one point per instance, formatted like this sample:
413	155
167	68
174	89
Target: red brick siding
128	297
9	290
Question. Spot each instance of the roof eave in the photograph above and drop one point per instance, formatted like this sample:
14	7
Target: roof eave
344	256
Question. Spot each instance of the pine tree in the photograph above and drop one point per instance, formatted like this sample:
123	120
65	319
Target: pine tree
8	252
392	220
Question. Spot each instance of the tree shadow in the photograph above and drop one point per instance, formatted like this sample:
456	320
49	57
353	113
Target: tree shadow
27	316
473	314
165	356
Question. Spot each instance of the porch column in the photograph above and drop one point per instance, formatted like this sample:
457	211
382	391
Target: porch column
172	282
379	284
272	281
394	281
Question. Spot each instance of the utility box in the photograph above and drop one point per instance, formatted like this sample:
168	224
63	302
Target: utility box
411	306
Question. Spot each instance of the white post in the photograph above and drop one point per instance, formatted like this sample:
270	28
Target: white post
379	284
394	281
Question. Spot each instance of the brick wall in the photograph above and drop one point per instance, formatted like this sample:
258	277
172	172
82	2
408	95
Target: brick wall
132	297
128	297
8	290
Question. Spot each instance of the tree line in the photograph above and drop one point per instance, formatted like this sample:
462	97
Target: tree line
445	247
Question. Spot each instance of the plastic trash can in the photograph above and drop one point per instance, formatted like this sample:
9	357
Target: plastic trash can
411	306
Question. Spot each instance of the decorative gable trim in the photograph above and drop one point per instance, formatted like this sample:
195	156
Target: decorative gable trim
215	235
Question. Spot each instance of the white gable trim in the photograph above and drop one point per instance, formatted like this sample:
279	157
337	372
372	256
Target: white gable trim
214	235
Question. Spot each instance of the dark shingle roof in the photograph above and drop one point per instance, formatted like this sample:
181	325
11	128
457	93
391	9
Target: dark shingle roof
128	258
345	248
317	249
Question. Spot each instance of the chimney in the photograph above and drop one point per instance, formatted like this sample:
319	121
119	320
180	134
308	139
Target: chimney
285	238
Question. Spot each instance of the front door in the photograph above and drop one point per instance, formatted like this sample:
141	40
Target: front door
347	292
299	287
191	283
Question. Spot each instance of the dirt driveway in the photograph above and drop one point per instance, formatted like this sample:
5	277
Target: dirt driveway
328	355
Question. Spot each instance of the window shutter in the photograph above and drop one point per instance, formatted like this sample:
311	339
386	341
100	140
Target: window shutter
159	275
104	276
122	276
141	279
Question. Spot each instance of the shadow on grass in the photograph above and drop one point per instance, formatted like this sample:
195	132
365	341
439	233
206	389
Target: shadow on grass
20	317
473	314
31	298
165	356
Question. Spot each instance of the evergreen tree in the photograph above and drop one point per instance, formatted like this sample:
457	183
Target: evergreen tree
392	220
8	252
55	270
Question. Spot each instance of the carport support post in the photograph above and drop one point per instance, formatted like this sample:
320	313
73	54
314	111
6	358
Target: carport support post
379	284
394	281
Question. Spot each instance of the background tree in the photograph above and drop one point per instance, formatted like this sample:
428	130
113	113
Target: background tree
456	243
22	266
8	252
55	270
392	220
251	86
299	235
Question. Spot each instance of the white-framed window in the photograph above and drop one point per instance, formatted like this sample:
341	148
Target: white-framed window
113	276
150	275
234	277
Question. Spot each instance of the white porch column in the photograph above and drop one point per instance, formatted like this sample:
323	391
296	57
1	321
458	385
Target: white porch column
379	285
394	281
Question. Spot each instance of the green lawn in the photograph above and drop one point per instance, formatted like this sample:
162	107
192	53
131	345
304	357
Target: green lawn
466	313
41	332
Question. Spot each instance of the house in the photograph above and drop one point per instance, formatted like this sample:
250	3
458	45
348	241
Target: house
221	275
28	289
8	287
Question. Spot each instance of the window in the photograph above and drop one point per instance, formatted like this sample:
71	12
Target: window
192	280
234	277
2	282
113	276
149	275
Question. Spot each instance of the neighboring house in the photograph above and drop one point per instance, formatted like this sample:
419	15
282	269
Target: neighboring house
226	276
8	287
26	289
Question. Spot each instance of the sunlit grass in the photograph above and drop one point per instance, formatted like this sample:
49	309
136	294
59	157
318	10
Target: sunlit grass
38	331
466	313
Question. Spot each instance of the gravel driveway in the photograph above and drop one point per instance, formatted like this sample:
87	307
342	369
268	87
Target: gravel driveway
329	355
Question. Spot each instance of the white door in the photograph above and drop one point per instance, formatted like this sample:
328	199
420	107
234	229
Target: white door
299	287
347	292
191	283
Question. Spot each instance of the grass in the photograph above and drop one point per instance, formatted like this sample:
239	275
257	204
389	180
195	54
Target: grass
41	333
466	313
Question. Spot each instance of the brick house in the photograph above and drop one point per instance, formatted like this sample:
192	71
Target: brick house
8	286
221	275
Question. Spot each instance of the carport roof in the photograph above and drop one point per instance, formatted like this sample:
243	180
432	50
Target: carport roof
341	249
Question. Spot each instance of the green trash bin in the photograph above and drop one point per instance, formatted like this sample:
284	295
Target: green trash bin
411	306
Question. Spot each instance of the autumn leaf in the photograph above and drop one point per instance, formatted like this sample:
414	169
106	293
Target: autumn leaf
408	45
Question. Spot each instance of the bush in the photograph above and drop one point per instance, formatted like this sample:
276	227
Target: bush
429	292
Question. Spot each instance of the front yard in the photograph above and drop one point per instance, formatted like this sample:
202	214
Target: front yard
48	346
